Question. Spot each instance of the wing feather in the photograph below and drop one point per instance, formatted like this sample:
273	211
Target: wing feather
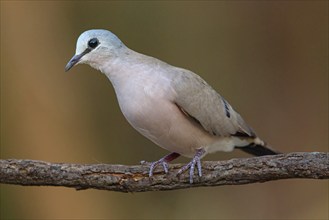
201	102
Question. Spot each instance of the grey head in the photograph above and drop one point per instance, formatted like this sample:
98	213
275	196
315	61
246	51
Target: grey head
95	47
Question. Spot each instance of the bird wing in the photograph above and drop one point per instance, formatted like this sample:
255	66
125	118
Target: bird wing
203	104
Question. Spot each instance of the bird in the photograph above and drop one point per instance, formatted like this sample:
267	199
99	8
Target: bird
173	107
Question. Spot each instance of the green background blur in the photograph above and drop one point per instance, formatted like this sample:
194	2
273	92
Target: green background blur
268	59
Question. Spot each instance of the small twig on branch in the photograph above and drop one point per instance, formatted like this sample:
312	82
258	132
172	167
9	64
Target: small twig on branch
135	178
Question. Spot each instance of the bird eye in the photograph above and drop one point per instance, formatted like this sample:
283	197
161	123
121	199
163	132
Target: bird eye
93	43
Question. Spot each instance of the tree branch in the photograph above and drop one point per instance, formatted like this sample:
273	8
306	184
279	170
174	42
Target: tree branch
135	178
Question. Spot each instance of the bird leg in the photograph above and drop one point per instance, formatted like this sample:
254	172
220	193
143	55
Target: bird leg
195	161
164	162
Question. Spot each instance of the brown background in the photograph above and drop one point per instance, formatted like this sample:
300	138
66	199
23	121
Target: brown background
268	59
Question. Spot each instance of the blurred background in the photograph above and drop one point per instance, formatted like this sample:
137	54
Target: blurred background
268	59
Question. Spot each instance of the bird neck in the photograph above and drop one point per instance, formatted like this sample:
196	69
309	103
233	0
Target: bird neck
121	66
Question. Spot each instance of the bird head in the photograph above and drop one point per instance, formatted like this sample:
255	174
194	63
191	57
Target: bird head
95	47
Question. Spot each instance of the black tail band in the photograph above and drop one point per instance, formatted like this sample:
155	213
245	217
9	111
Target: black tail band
258	150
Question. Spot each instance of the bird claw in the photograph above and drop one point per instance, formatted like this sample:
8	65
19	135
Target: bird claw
163	161
156	163
191	165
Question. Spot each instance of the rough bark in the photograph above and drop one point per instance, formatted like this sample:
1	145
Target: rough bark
122	178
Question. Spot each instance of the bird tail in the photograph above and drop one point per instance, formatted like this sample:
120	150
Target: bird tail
258	148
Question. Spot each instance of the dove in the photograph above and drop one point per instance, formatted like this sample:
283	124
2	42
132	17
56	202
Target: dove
173	107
